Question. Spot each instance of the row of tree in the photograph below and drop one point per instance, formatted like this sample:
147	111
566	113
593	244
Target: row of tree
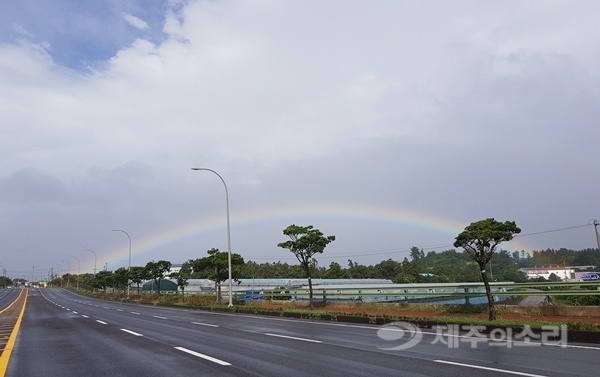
479	261
420	267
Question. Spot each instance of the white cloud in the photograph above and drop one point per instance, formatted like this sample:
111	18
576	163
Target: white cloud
466	110
134	21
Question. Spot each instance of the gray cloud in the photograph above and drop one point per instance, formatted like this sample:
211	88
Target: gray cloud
439	113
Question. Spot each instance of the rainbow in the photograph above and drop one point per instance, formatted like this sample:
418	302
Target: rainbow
194	227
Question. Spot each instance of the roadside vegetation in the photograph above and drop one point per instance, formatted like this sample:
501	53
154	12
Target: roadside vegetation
430	313
419	266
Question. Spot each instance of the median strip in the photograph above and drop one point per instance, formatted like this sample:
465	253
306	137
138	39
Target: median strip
10	314
205	357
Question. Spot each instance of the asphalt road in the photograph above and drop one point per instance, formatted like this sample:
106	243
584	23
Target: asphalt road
7	296
64	334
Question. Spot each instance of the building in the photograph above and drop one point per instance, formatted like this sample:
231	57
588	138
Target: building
564	273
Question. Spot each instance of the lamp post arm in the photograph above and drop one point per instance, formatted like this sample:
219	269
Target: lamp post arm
228	232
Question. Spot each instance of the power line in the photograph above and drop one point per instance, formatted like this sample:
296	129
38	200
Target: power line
552	230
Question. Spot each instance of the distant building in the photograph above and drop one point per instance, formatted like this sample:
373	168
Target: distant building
564	273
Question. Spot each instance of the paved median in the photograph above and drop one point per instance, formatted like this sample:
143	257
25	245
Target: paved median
10	320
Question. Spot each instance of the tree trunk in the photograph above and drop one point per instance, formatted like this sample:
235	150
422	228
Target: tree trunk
488	292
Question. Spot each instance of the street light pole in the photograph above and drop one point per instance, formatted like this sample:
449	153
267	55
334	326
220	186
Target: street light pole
596	223
94	259
129	266
228	232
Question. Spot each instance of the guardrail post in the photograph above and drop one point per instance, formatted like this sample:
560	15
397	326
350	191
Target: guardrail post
467	298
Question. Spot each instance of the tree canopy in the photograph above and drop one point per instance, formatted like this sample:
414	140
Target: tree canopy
157	271
216	267
304	243
480	240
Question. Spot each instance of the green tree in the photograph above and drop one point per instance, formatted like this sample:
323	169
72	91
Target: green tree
360	271
216	267
304	243
388	269
103	280
5	282
335	271
182	276
480	240
157	271
137	275
120	277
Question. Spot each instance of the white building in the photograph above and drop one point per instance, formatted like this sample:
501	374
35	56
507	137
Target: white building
564	273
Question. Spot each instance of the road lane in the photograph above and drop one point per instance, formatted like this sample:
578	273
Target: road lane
267	346
7	296
56	342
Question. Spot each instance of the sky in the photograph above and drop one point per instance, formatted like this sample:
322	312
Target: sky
389	124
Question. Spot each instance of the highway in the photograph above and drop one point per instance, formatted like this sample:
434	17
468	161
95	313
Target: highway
7	296
65	334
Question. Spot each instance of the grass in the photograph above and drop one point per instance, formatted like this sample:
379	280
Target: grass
450	313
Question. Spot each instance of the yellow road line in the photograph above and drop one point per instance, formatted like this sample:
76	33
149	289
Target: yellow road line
12	303
5	357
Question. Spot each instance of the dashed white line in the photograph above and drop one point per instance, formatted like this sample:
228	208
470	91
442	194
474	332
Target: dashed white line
205	357
131	332
84	316
489	368
136	313
205	324
119	310
102	322
159	317
294	338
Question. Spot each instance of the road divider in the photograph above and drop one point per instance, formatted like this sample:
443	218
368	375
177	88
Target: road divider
10	318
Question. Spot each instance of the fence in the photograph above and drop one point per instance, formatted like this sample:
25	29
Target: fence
425	292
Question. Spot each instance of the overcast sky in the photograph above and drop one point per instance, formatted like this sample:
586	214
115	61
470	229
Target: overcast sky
388	124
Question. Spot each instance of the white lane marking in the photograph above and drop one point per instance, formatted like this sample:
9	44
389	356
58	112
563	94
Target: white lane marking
119	310
74	312
205	324
330	324
294	338
159	317
488	368
102	322
136	313
84	316
205	357
131	332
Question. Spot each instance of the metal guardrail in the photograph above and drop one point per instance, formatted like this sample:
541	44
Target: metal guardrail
406	292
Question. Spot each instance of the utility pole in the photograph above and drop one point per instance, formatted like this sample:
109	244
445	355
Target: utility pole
596	223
